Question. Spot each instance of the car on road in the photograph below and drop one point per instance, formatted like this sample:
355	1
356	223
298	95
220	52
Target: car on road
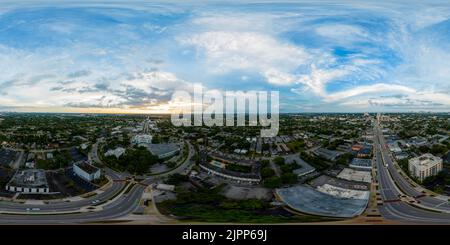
33	209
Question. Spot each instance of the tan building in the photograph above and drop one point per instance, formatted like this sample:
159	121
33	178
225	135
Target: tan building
425	166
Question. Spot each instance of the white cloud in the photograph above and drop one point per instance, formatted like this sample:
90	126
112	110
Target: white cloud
368	89
430	15
227	51
342	33
392	52
276	77
317	80
411	100
160	80
243	21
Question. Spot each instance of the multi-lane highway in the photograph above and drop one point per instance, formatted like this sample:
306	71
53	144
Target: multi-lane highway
122	207
66	206
401	201
439	203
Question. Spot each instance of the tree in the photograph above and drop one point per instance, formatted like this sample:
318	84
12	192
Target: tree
288	168
267	172
136	160
438	149
279	160
288	178
424	149
176	179
344	159
265	163
403	163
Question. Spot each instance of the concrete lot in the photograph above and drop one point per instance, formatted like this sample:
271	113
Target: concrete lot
306	199
355	175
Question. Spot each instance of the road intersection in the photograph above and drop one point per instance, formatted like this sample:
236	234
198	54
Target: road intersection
114	202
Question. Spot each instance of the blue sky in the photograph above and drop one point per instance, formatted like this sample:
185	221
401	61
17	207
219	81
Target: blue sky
327	56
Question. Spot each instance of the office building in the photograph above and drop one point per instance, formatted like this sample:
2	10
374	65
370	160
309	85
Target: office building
425	166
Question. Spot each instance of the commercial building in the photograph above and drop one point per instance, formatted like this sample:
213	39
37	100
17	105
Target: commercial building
31	181
86	171
140	139
164	187
355	175
327	154
361	164
357	147
365	152
393	147
425	166
217	166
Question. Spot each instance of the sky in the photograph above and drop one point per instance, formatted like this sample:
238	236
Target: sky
129	57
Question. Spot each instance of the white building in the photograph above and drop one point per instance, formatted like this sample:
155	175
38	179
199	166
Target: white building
86	171
425	166
30	164
393	147
164	187
49	155
142	139
84	146
119	151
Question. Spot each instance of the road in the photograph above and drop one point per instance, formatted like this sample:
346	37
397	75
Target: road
439	204
20	161
122	207
398	204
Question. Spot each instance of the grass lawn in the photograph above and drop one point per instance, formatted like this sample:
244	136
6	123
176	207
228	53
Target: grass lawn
209	206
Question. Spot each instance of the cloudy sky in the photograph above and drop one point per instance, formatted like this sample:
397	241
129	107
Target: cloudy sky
321	56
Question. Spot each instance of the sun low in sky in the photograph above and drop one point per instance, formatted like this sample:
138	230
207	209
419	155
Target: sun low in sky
328	56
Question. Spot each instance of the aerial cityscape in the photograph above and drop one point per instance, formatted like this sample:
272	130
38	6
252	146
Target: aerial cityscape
340	167
331	113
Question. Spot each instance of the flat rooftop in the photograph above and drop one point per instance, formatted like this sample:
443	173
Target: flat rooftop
7	156
160	149
361	162
225	158
425	160
88	168
32	178
328	154
251	175
355	175
342	183
342	192
306	199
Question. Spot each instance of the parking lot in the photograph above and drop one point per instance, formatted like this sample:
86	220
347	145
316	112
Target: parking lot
7	157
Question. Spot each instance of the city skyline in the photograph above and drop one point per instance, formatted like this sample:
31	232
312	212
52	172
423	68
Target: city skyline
82	57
